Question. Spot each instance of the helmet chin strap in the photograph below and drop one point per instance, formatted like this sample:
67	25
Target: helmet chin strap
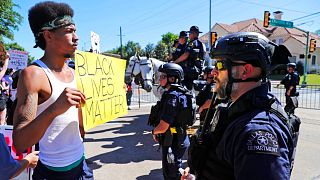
232	80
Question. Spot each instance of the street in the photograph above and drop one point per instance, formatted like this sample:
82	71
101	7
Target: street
124	149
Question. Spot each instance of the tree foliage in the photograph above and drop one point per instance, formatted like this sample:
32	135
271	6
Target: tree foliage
128	50
9	22
149	49
161	51
169	38
9	19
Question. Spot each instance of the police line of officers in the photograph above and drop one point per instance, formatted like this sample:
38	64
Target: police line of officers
243	138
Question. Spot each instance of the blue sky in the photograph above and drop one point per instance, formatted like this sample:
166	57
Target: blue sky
144	21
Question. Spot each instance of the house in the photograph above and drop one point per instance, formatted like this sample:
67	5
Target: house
294	39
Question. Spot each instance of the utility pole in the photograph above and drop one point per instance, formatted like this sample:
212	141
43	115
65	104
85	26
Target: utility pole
305	61
209	35
121	50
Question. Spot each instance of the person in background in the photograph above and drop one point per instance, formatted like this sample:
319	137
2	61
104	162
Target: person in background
3	96
290	82
129	94
193	57
10	168
171	129
203	99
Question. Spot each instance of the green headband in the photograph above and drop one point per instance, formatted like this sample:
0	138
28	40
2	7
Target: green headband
54	24
57	22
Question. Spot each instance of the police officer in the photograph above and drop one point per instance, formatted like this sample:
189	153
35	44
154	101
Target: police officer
245	139
181	47
193	57
203	99
172	131
290	82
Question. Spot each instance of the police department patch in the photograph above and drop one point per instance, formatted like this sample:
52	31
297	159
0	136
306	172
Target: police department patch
263	142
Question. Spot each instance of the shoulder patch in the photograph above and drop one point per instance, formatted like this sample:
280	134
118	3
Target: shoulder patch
262	142
172	102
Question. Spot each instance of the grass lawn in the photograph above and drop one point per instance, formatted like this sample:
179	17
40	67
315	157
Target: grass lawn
312	79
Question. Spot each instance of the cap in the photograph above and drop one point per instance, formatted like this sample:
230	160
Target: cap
183	34
194	29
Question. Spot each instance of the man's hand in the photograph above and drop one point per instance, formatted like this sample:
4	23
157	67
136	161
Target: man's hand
186	174
155	137
69	97
32	158
200	109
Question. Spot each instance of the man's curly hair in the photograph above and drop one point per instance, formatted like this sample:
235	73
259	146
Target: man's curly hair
43	13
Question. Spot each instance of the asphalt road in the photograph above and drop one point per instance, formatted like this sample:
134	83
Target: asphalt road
123	149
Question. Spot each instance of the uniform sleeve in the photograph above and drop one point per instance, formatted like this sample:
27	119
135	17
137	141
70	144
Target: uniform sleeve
169	109
284	80
295	80
261	153
189	47
8	166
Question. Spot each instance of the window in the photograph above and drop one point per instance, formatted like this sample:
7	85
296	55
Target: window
313	60
293	59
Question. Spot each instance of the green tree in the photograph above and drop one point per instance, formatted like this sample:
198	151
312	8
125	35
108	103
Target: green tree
149	49
160	51
168	39
128	50
9	19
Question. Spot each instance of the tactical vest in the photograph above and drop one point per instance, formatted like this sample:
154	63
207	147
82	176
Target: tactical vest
203	154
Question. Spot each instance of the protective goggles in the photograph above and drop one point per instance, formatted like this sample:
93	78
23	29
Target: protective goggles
223	65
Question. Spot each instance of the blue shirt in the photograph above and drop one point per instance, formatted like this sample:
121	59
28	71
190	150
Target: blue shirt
8	166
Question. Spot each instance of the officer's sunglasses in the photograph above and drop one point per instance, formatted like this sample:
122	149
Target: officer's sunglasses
223	65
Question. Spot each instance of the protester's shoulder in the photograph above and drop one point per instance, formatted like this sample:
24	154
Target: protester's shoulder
32	69
31	73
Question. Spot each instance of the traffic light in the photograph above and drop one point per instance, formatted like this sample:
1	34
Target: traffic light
266	19
313	45
214	37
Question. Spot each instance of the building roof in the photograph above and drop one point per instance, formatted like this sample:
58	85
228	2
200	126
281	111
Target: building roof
272	32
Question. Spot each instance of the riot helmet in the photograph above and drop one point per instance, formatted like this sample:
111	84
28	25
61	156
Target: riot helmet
172	69
250	47
208	69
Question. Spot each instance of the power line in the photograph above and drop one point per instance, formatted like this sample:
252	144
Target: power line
305	16
265	5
